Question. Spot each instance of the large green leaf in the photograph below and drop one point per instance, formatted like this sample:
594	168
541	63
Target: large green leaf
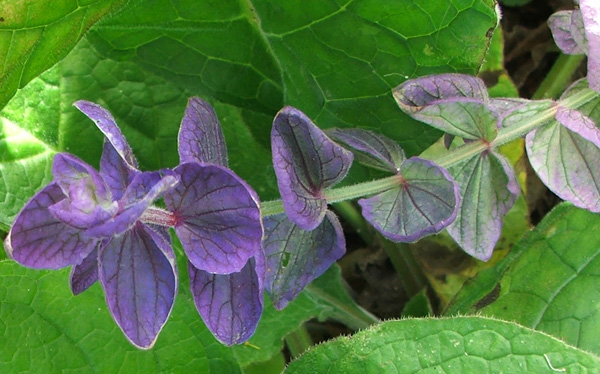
549	282
467	345
45	329
34	35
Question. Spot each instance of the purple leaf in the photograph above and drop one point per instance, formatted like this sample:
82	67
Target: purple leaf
217	217
88	199
296	257
414	94
580	124
230	304
454	103
372	149
568	31
137	272
425	202
106	123
144	189
115	171
200	136
488	189
513	111
306	162
39	240
567	163
85	274
590	9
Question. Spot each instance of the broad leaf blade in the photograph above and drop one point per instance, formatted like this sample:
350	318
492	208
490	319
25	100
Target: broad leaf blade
425	202
296	257
461	344
562	255
568	32
488	189
35	36
46	329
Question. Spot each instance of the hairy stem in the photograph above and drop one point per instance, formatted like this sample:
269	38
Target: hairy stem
453	157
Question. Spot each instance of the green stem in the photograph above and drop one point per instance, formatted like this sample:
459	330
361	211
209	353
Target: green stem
457	155
298	341
559	77
406	266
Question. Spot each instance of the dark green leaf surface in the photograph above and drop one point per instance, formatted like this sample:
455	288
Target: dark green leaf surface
34	35
550	283
467	345
46	329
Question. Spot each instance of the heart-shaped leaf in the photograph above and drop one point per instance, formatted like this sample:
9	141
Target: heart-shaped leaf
489	189
425	202
568	32
454	103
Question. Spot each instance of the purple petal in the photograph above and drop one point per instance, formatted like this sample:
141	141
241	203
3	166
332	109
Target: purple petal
68	169
139	196
200	136
425	202
39	240
230	304
84	275
217	216
580	124
414	94
567	163
590	9
488	189
106	123
115	171
137	272
306	162
296	257
568	32
373	149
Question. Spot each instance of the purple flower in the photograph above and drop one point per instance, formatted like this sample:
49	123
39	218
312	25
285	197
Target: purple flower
97	222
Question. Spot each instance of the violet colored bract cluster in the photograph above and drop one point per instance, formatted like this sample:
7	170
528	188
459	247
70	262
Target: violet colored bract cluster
104	225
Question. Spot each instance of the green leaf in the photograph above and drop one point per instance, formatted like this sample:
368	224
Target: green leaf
326	297
549	281
457	345
36	35
46	329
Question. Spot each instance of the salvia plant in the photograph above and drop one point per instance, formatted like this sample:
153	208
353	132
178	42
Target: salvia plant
140	234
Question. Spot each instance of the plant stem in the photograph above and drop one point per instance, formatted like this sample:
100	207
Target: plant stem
298	341
406	266
457	155
352	216
559	77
